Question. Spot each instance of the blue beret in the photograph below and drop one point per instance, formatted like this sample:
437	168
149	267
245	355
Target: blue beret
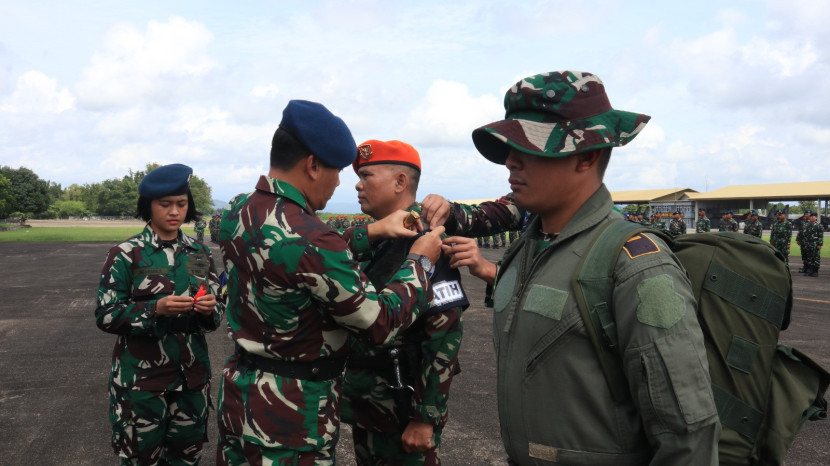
324	134
167	180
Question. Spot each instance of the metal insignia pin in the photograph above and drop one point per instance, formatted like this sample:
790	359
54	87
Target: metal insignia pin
365	151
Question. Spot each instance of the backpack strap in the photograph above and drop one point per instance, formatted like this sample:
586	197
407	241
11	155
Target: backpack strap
593	284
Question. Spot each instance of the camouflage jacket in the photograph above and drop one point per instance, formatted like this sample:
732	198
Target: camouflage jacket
481	220
295	293
754	228
659	225
199	225
670	417
431	352
781	234
703	225
151	352
677	228
812	236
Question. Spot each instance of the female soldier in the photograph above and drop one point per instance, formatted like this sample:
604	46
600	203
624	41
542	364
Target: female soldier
157	293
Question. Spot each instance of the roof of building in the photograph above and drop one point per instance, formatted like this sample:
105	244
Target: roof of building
644	196
783	191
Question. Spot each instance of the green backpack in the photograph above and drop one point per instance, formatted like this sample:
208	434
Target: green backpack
764	391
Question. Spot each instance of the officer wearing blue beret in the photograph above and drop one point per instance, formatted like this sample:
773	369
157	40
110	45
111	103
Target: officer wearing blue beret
157	293
295	294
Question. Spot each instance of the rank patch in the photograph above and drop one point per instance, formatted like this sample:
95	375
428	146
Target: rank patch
640	245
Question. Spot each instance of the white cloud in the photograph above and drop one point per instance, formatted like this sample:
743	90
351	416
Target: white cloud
448	114
37	93
135	66
784	59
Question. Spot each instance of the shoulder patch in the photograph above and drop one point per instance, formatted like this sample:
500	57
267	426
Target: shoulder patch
640	245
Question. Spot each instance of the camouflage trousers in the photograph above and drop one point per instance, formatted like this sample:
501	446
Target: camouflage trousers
234	450
385	449
811	256
784	249
200	236
150	428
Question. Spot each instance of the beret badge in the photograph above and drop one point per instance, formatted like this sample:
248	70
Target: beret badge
365	151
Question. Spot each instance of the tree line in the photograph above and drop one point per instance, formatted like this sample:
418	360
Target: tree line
23	194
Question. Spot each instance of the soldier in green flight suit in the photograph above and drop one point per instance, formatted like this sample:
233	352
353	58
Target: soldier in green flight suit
400	421
158	295
555	405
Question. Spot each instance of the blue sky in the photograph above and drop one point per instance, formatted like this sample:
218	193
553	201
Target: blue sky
737	90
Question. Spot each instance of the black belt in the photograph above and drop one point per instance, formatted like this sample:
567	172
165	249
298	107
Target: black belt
320	369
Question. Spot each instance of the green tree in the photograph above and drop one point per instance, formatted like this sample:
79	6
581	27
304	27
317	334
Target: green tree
118	197
61	208
30	193
6	197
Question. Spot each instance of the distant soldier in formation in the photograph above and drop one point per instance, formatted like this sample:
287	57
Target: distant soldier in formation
811	241
677	226
753	225
657	222
781	234
213	226
512	235
727	223
199	227
703	225
799	238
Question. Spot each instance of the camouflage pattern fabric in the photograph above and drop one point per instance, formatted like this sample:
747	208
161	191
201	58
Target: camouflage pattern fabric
199	227
732	225
294	294
659	225
557	114
486	218
677	228
703	225
754	228
158	360
430	361
811	242
384	449
780	237
213	226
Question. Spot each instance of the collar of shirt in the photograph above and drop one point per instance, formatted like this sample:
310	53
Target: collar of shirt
283	189
148	236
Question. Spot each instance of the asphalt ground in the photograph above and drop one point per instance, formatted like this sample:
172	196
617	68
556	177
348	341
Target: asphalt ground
54	364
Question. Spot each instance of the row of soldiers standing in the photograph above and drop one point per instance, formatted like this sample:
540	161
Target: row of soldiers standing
341	222
506	240
810	236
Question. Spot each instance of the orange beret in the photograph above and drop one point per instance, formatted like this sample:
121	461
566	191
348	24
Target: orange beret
374	152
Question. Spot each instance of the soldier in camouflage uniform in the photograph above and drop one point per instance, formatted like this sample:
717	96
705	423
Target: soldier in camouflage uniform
799	238
753	226
555	405
392	424
811	242
657	222
295	293
677	226
148	295
703	225
728	223
213	226
781	235
199	228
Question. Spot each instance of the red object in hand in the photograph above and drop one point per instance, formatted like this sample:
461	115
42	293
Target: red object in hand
202	291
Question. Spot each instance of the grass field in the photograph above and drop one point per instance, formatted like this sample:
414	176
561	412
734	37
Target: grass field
74	234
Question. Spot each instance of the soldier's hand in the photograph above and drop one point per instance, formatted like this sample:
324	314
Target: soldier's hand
391	226
417	437
205	304
435	210
174	305
464	252
429	244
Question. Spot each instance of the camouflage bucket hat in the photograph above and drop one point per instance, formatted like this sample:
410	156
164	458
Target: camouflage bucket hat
557	114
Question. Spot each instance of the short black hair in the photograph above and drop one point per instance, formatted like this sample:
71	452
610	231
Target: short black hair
286	150
145	211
